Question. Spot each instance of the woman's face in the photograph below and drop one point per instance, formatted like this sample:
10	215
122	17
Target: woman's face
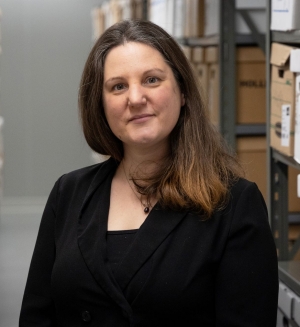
141	97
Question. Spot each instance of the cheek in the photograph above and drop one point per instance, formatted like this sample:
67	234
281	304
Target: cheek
112	109
171	104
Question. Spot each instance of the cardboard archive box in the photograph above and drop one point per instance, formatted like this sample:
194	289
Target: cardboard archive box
282	120
293	199
297	121
295	68
252	154
187	50
201	69
194	18
285	15
211	55
251	86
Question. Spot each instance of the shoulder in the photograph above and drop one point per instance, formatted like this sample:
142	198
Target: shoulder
242	184
243	189
246	206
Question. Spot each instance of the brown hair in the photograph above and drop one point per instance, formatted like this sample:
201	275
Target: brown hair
199	169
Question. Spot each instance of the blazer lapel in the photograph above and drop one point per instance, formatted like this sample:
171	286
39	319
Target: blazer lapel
92	228
156	228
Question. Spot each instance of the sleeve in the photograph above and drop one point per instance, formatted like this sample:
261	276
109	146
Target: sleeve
37	306
247	279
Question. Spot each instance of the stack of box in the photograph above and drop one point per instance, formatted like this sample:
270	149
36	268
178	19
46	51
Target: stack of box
113	11
251	109
285	96
295	68
285	93
253	157
200	68
251	86
250	77
283	100
180	18
211	55
251	104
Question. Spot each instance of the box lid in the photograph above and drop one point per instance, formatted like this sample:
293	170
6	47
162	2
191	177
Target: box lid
280	54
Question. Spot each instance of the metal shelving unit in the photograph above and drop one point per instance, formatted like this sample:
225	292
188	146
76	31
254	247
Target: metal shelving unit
278	164
228	40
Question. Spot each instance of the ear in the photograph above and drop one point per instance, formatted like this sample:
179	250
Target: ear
182	100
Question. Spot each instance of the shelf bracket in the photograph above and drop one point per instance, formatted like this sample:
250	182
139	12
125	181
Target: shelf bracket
259	38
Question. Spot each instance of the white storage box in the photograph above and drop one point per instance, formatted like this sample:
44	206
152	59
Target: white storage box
285	15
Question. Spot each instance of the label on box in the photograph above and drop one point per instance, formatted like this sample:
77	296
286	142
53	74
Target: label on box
285	124
280	5
297	130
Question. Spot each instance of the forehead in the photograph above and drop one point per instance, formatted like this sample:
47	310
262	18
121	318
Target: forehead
132	55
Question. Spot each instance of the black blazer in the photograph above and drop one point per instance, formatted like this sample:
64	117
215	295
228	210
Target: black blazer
179	270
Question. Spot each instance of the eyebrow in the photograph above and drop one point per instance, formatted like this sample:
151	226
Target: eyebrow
152	70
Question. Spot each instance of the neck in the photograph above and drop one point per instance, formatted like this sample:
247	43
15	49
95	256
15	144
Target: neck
148	157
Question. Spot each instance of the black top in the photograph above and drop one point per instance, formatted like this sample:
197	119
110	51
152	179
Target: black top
118	243
178	271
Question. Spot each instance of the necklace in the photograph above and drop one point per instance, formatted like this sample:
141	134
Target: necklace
146	207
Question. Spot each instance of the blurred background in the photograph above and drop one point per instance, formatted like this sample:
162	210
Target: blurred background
44	47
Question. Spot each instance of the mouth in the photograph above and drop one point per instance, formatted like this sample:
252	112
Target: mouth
140	118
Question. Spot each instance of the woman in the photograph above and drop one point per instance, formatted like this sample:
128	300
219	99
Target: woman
164	233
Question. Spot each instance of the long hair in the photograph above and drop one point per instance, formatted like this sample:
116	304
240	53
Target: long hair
199	169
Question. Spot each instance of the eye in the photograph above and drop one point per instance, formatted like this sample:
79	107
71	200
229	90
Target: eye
152	80
118	87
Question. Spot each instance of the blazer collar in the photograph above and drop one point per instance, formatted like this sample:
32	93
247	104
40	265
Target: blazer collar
92	228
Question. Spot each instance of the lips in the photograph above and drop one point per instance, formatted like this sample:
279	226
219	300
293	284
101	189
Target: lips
140	118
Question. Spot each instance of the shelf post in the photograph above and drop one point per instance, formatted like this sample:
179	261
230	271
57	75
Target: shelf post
279	203
227	71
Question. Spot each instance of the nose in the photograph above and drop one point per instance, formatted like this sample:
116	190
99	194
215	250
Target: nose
136	96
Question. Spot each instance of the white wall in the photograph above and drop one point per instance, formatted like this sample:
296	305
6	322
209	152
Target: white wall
44	47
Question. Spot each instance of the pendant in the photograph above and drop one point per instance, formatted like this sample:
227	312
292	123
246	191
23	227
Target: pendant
146	209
